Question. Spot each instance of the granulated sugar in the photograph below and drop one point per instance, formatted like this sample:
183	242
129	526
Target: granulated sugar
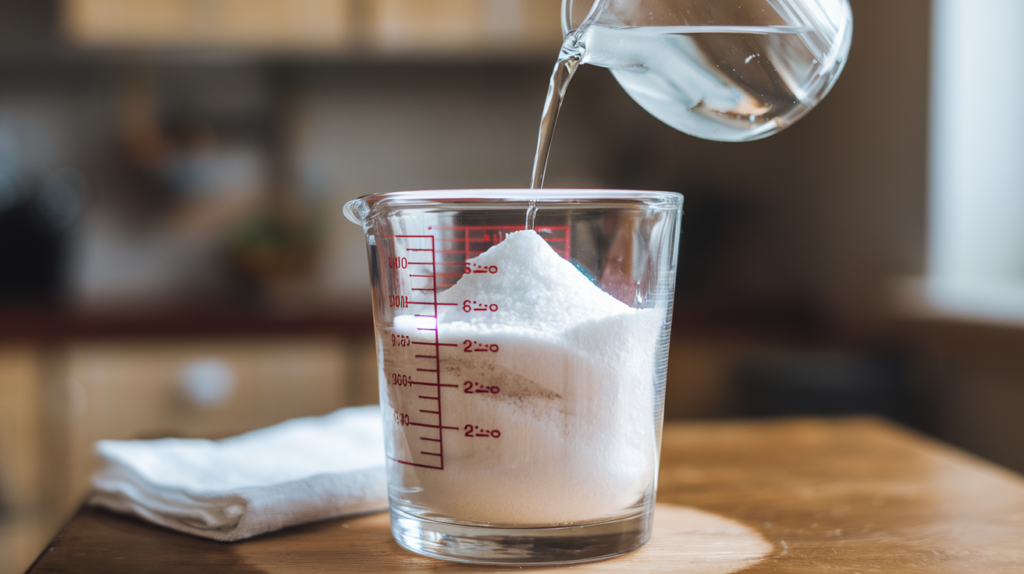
575	409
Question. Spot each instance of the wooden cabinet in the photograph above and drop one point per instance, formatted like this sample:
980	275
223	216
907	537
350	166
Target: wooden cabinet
159	389
469	28
23	529
239	24
19	428
57	400
403	28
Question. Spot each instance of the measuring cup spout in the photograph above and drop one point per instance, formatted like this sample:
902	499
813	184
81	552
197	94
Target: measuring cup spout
357	210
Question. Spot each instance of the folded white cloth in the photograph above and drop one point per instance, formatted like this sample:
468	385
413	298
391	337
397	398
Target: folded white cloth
297	471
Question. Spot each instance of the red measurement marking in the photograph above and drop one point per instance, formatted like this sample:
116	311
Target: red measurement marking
474	268
434	426
428	296
437	350
486	238
415	464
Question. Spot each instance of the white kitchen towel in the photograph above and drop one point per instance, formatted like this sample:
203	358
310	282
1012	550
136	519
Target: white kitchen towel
298	471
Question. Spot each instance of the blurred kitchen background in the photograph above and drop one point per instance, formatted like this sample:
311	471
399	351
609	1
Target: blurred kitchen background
174	260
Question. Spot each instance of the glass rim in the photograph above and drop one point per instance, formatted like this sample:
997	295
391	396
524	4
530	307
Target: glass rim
358	209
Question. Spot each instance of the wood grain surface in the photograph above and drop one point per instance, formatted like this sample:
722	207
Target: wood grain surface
854	495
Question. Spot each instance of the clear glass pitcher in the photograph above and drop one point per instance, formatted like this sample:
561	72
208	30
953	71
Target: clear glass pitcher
521	373
735	70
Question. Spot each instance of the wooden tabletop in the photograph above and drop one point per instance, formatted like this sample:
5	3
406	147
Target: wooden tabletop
851	495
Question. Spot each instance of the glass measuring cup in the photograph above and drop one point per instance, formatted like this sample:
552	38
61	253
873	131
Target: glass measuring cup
521	373
728	71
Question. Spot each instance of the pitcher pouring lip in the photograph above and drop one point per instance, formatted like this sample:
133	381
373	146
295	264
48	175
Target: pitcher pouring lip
569	24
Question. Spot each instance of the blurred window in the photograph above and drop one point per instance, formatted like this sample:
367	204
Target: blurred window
976	243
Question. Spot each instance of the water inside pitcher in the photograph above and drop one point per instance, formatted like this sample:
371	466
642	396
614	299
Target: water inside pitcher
727	71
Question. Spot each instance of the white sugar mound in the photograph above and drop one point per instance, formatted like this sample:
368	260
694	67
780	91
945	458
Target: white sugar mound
575	410
534	288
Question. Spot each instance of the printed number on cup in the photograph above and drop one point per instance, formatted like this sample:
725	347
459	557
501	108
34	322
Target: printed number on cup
474	431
